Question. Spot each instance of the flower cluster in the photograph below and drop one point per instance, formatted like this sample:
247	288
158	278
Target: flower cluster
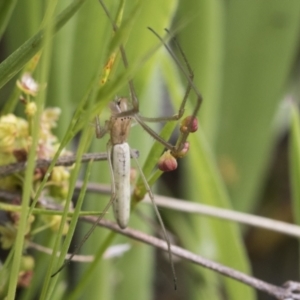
15	144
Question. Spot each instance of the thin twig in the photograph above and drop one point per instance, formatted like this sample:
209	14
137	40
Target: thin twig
191	207
62	161
94	187
203	209
78	258
289	291
111	252
227	214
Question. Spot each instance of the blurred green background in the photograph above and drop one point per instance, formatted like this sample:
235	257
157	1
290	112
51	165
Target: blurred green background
244	58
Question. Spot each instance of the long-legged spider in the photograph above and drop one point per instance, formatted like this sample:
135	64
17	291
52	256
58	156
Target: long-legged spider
118	126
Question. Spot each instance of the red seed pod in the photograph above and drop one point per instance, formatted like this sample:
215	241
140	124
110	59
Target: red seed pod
167	162
189	124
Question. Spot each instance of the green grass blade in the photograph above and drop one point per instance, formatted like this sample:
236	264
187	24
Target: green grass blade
6	9
294	162
14	63
202	39
203	183
260	47
27	186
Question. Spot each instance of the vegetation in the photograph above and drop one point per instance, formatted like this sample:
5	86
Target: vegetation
243	55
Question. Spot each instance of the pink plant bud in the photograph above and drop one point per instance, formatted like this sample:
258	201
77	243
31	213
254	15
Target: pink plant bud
133	175
28	85
167	162
189	124
25	278
39	173
184	150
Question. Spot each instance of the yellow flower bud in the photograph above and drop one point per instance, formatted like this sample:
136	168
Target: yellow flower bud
27	263
30	109
55	223
7	235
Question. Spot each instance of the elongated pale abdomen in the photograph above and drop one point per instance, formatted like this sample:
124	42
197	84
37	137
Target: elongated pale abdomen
121	170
